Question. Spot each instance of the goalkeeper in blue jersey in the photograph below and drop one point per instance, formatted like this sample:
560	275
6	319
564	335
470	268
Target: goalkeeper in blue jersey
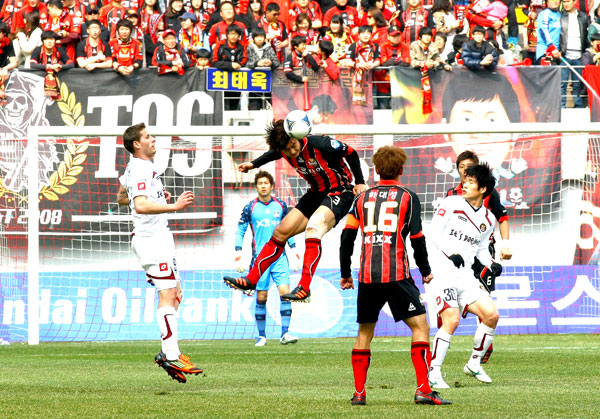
263	214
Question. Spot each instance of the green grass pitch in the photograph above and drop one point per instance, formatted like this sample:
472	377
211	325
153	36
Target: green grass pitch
535	376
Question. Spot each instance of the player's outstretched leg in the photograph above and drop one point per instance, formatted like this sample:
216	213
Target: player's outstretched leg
182	364
267	256
160	359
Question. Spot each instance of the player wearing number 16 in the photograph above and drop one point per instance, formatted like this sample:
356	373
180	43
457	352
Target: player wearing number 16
323	162
386	214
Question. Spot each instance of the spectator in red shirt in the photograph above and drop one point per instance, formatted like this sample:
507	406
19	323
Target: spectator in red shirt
127	52
218	31
9	11
94	53
18	23
232	54
49	57
61	22
202	15
348	13
325	49
390	54
304	28
169	57
110	15
379	25
309	7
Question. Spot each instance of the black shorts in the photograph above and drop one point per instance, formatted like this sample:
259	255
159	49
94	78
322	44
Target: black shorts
337	201
402	296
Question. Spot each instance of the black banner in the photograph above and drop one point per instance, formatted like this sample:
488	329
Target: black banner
79	176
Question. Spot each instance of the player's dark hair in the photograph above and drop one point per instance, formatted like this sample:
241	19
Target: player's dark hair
93	22
458	41
389	161
258	32
326	47
272	7
131	134
467	155
32	21
49	34
484	176
264	173
55	3
470	88
124	22
203	53
276	137
425	30
4	28
297	40
365	28
234	28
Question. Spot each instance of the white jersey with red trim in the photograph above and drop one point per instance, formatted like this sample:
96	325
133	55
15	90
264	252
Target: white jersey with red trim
458	228
140	179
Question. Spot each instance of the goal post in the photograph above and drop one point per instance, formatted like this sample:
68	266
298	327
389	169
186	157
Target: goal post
72	276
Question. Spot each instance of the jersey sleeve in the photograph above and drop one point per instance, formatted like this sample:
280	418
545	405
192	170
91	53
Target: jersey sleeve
497	208
417	238
349	237
332	147
267	157
243	223
140	181
438	224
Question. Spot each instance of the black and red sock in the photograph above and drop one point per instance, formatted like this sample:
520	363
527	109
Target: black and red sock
421	359
267	256
312	255
361	359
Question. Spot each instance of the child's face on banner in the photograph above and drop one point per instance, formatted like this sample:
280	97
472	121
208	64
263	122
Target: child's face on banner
492	148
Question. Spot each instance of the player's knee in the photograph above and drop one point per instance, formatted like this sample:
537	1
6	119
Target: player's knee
316	226
450	323
492	319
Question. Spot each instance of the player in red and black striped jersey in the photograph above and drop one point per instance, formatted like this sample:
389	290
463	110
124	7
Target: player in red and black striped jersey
323	162
386	214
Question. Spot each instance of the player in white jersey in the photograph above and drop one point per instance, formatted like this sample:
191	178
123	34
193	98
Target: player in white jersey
460	231
152	242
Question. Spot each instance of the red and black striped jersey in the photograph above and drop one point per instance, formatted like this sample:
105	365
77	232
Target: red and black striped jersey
491	202
386	214
323	162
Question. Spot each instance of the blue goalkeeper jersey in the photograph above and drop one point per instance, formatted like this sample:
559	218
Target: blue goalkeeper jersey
262	217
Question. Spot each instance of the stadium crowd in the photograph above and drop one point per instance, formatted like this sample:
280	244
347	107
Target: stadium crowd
178	35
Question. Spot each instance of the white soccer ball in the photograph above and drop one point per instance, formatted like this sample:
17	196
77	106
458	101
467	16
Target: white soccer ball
297	124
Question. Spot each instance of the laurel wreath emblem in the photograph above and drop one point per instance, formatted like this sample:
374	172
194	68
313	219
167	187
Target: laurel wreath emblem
74	155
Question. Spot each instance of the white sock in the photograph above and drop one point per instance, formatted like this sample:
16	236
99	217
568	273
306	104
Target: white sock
439	349
167	324
484	336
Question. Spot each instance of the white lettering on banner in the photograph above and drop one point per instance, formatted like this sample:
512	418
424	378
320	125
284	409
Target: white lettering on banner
109	116
14	312
216	309
19	216
515	298
120	305
136	305
81	303
582	286
191	310
63	312
241	308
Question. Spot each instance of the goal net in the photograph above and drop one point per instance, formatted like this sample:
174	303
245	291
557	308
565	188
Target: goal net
73	277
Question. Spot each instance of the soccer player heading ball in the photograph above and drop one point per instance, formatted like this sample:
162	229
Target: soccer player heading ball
461	229
386	214
323	162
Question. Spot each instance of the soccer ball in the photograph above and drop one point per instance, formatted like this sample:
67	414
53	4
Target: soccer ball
297	124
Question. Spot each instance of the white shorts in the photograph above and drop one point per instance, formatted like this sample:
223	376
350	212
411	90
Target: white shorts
157	256
458	288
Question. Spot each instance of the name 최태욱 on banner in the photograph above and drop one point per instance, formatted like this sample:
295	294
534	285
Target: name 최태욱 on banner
239	80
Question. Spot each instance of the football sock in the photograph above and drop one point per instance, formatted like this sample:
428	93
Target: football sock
312	255
267	256
484	336
260	313
285	309
441	343
361	359
167	324
421	359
